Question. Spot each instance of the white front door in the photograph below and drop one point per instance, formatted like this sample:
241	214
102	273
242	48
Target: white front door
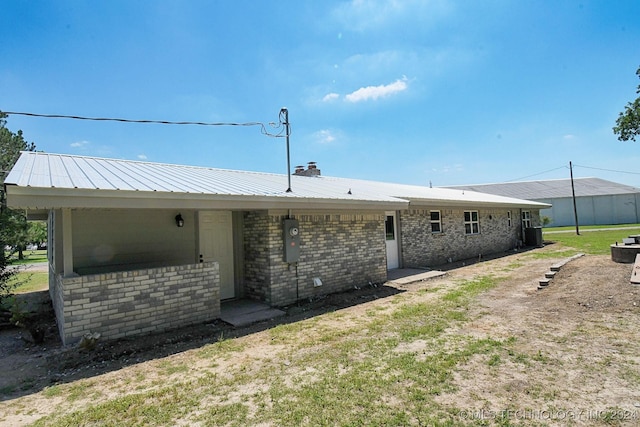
391	236
216	244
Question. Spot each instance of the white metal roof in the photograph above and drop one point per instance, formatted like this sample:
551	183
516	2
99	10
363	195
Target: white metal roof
42	181
553	189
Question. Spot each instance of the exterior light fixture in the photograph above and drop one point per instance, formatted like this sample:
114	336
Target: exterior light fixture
179	220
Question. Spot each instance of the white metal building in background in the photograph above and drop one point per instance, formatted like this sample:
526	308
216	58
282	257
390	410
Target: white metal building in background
598	201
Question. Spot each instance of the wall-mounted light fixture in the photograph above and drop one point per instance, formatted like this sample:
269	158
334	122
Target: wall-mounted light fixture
179	220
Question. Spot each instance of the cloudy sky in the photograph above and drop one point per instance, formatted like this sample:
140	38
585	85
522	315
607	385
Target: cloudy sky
432	91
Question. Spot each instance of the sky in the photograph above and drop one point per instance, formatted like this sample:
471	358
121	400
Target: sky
424	92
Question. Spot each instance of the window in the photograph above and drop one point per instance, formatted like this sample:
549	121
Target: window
509	218
471	222
436	223
526	219
389	228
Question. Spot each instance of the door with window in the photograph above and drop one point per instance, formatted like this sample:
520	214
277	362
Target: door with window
391	237
216	244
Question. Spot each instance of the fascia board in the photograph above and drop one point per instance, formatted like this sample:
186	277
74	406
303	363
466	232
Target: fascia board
67	198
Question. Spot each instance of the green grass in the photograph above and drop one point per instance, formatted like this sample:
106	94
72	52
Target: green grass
595	242
30	257
589	227
31	282
319	375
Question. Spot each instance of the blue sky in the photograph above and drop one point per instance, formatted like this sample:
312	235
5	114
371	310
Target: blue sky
447	92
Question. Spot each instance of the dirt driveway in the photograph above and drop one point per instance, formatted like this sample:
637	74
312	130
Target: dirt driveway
583	329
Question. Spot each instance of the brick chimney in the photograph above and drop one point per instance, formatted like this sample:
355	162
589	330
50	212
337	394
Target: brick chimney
312	170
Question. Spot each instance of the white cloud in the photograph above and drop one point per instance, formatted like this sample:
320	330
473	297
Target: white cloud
80	144
324	136
142	156
568	137
375	92
330	97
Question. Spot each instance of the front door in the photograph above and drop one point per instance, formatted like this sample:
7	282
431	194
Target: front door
391	236
216	244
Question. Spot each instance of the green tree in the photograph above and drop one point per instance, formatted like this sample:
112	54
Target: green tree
628	123
14	222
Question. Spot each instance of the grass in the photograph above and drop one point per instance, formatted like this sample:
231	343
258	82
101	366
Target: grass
346	376
596	242
31	282
387	367
30	257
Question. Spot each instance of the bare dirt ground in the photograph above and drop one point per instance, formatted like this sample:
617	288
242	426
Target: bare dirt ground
583	330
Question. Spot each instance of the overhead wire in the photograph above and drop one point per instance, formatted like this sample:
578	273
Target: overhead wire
263	128
607	170
536	174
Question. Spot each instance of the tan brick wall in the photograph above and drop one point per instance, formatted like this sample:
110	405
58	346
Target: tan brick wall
343	250
128	303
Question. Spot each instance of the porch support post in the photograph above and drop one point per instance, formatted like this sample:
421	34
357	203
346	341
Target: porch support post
67	243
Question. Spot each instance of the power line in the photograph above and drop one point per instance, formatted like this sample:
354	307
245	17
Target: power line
263	128
608	170
536	174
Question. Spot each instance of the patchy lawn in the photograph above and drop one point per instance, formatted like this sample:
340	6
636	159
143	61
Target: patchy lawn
479	346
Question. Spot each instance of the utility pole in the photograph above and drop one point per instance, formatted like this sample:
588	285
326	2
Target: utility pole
573	193
285	112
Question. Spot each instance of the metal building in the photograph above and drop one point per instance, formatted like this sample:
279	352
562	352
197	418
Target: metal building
598	201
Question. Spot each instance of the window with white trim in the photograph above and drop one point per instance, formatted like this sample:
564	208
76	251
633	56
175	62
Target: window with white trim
471	222
436	221
526	219
509	218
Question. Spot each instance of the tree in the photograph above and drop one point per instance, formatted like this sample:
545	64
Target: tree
628	123
14	222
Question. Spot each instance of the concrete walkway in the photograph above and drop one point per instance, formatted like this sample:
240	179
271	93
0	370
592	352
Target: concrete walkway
244	312
404	276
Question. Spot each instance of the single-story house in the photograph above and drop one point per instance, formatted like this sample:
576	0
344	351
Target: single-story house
598	201
137	247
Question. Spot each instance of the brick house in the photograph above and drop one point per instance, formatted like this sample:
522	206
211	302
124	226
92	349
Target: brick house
137	247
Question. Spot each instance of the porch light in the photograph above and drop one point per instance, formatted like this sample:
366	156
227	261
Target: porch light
179	220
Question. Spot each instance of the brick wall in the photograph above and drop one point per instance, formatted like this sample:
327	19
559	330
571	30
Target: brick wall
343	250
422	248
127	303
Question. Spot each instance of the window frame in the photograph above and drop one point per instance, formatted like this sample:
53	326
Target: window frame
437	221
509	218
526	219
469	223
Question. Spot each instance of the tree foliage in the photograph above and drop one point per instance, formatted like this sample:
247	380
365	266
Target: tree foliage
14	229
628	123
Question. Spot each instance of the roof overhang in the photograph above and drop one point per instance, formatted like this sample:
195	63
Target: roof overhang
42	199
514	204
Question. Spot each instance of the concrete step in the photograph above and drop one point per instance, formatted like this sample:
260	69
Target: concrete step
550	274
544	282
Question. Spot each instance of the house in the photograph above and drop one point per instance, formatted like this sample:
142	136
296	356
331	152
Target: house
598	202
137	247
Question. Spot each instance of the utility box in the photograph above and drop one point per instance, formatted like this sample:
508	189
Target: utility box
533	236
291	240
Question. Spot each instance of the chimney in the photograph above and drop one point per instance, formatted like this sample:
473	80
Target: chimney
312	170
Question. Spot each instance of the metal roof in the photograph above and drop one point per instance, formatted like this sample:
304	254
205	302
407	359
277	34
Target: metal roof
552	189
43	180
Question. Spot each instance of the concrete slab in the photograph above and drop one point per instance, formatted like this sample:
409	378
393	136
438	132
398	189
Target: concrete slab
403	276
246	312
